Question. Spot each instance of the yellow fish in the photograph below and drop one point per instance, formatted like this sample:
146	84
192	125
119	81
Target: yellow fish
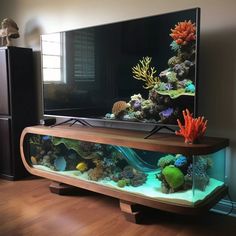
82	166
33	160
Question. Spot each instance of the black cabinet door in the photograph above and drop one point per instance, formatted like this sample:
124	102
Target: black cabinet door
4	99
5	147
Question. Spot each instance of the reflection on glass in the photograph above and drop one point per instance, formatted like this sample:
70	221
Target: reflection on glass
52	57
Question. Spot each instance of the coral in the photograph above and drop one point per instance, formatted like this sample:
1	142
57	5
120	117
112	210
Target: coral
190	88
143	71
181	161
184	83
171	77
193	129
197	172
173	61
166	113
138	180
162	86
135	102
174	46
184	32
147	104
133	177
69	144
121	183
128	172
136	97
166	160
173	176
119	107
96	173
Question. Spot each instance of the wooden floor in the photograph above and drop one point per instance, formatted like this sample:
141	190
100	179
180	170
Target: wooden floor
28	208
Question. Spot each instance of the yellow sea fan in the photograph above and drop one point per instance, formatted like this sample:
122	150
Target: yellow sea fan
143	71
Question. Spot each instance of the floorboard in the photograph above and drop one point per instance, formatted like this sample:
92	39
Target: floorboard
27	207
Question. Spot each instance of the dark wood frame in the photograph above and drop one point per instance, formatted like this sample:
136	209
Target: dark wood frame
18	107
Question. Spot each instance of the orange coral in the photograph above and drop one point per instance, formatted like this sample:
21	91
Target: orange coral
193	128
119	107
184	32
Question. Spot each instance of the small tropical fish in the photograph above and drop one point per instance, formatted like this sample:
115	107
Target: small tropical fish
82	166
46	137
33	160
60	163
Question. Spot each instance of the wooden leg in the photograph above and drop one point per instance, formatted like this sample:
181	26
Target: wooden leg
131	211
62	189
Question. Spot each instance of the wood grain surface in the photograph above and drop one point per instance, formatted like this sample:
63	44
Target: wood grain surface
161	142
28	208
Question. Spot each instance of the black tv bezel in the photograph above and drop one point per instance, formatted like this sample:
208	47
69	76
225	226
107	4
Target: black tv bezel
133	124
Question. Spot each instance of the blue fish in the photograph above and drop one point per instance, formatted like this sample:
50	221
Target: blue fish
60	163
46	137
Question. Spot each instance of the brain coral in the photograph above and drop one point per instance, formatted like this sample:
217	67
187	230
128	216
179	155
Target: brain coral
166	160
118	107
173	176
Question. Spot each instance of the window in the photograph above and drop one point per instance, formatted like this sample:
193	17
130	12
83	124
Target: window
52	58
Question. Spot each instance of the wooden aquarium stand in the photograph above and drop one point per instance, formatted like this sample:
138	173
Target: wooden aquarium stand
130	203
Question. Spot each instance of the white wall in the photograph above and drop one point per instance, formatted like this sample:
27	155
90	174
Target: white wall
217	95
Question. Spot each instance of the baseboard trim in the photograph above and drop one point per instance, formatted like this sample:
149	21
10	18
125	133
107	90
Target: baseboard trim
224	207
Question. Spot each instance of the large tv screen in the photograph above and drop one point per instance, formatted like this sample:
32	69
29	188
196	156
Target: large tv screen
141	70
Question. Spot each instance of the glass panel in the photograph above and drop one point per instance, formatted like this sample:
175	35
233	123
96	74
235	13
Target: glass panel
167	177
208	174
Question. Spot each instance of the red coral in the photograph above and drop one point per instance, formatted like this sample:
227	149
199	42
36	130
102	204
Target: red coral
184	32
193	128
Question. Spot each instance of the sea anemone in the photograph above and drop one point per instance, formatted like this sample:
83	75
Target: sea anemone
184	32
193	129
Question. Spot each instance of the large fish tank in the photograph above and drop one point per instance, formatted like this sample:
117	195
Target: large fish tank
169	178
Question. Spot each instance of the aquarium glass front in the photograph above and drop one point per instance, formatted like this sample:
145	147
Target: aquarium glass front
171	178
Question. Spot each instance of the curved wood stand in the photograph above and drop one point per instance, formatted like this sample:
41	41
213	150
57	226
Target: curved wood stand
129	202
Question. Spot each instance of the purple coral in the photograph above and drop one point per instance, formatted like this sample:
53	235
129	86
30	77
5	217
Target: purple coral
137	105
168	86
166	113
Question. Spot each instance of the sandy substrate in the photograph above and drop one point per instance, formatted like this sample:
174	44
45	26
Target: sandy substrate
151	189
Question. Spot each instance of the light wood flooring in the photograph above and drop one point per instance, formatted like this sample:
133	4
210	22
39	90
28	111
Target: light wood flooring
27	207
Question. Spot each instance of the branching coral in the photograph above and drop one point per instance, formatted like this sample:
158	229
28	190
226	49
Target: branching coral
184	32
193	128
143	71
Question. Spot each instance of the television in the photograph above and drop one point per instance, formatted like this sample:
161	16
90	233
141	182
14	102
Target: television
142	71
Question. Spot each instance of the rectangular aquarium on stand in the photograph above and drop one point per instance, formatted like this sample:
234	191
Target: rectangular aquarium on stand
160	172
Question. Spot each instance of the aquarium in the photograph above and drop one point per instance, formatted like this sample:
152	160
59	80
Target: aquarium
169	178
141	70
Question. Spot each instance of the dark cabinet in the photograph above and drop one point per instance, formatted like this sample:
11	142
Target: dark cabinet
18	107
